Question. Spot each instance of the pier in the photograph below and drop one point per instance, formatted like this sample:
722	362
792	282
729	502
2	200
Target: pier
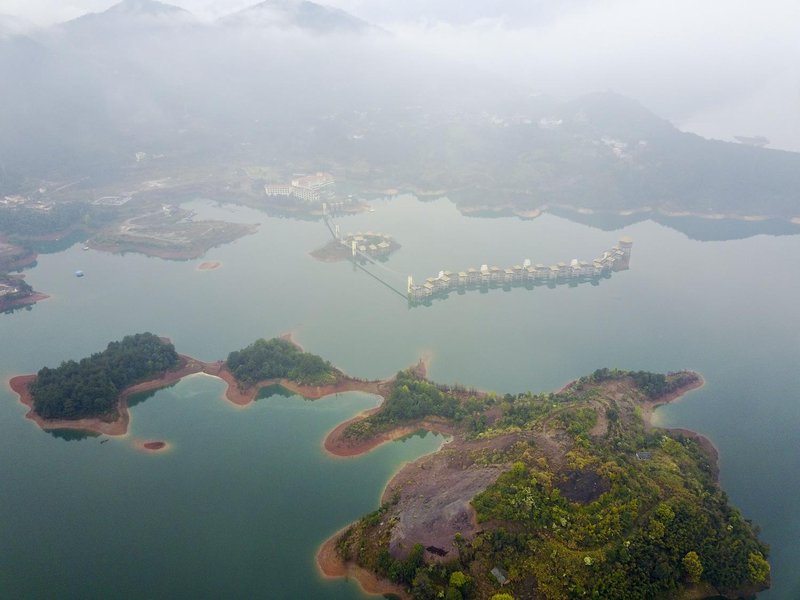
527	274
368	250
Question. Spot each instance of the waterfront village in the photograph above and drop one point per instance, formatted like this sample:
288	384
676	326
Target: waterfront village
526	274
15	292
360	246
310	189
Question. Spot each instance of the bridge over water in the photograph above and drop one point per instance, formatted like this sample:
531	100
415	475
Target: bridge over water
526	275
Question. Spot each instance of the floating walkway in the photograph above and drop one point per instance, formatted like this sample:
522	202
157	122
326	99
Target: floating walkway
526	274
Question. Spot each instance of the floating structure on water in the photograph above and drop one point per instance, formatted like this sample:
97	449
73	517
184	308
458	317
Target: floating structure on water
527	274
369	243
359	247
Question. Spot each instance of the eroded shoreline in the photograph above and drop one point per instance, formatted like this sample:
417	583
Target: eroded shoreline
234	394
331	565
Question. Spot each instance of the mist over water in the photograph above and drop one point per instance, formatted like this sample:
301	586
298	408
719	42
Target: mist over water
594	113
232	475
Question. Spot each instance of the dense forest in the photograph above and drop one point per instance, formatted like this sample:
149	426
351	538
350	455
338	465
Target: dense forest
90	387
591	503
278	359
412	398
26	221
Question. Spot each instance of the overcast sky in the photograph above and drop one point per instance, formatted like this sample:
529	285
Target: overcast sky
719	68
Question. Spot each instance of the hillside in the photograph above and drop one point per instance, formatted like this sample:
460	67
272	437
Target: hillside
566	495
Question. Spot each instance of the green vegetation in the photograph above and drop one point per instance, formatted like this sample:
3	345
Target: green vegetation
413	398
91	387
278	359
592	503
654	385
9	298
30	221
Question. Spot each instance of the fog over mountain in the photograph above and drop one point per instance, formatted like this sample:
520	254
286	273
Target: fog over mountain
384	84
720	69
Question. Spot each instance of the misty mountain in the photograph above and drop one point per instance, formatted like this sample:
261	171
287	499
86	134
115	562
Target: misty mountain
300	14
128	17
146	77
514	13
611	114
133	9
11	25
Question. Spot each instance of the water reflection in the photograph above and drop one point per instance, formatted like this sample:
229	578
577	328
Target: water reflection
72	435
695	228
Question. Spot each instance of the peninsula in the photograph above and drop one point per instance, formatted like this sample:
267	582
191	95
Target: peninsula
556	495
15	293
92	394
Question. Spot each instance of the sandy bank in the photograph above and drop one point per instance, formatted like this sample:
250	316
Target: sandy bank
18	262
648	408
650	405
151	446
331	567
209	265
336	444
118	424
20	302
111	424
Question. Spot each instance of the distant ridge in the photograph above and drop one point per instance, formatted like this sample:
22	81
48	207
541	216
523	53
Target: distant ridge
127	11
300	14
11	25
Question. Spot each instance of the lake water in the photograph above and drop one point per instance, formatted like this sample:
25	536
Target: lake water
239	504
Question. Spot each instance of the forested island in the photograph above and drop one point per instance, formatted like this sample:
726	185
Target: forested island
91	386
91	394
278	359
554	495
569	494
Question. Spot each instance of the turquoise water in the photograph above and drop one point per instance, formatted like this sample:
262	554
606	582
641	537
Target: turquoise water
242	499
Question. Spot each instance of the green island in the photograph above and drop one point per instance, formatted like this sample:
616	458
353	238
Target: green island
91	386
553	495
91	394
278	359
562	495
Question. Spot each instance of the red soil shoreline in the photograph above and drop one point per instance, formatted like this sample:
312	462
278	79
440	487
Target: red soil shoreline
26	301
152	446
209	265
335	444
706	444
332	566
328	562
20	262
188	366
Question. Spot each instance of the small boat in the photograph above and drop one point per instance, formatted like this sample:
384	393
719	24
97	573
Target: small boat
85	247
79	273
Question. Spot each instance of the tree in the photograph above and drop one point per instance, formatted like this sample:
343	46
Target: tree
453	594
457	579
502	597
757	567
693	566
91	387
